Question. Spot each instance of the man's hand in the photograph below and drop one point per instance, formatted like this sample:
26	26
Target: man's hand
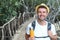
31	38
53	37
50	33
27	37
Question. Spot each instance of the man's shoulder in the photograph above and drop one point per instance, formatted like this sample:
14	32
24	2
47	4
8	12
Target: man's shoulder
30	24
52	25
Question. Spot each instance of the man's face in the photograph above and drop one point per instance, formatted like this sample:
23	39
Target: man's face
42	13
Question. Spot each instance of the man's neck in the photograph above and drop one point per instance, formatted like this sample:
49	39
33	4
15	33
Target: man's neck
41	22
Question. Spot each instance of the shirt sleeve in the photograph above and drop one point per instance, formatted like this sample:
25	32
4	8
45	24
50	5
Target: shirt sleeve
53	29
28	29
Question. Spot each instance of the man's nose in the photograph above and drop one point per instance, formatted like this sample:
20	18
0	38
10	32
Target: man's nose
41	13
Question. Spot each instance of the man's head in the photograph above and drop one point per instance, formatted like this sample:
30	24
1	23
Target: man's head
42	11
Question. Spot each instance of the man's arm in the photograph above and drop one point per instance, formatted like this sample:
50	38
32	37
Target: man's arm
53	37
52	33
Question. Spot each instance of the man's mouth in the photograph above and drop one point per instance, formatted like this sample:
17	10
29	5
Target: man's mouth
42	16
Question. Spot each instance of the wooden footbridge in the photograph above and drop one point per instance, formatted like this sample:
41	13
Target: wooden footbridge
11	28
15	28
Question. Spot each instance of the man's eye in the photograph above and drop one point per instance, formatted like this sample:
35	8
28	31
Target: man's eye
44	12
39	12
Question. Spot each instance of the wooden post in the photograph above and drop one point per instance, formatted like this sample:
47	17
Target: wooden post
9	30
2	33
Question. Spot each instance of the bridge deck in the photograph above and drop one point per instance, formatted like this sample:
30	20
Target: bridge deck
21	31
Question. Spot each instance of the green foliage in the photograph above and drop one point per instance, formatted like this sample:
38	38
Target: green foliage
32	3
7	10
10	8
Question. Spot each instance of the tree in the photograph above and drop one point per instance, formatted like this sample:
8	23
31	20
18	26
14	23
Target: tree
54	10
7	10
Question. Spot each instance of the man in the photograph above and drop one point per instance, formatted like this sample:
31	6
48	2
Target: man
40	31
